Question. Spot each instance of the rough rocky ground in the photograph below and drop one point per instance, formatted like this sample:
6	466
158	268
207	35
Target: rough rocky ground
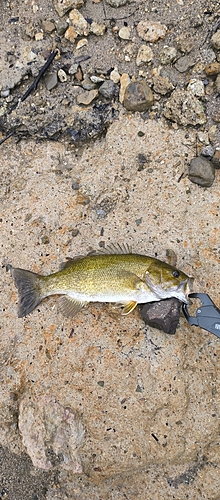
98	406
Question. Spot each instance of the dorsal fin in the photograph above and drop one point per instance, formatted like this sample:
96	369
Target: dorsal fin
113	248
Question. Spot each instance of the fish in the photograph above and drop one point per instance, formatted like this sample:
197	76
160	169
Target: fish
115	275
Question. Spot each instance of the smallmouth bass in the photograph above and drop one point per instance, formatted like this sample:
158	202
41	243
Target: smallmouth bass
122	278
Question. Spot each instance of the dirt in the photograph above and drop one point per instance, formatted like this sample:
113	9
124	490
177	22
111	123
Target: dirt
75	177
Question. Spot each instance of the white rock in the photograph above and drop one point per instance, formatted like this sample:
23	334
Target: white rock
115	76
97	29
196	87
81	43
145	54
203	137
124	82
79	23
62	75
151	32
124	33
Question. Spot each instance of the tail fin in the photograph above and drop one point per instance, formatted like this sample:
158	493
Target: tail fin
28	285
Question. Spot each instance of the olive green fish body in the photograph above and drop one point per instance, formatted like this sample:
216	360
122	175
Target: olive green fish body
123	279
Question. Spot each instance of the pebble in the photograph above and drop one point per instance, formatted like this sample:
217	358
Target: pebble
108	89
71	34
124	33
163	315
138	96
96	79
212	69
217	83
39	36
212	133
62	75
203	137
215	40
167	55
87	97
87	84
5	93
73	69
48	26
63	6
61	27
145	54
124	82
79	23
116	3
150	31
185	43
207	151
82	43
216	159
184	64
50	80
201	172
184	108
97	29
115	76
196	87
162	85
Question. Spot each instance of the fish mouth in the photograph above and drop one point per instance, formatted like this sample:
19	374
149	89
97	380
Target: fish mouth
181	291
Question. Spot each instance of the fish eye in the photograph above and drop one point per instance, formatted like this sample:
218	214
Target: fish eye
176	274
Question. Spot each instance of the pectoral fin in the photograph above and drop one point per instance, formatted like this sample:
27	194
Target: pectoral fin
69	307
124	308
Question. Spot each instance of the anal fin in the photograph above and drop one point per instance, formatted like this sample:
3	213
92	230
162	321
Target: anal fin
69	307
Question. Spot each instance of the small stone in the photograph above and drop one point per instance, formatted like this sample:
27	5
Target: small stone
138	97
184	64
116	3
150	31
5	93
212	133
124	33
108	89
185	43
87	97
87	84
73	69
79	23
62	75
184	108
203	137
82	43
216	159
75	185
201	172
71	34
39	36
212	69
196	87
207	151
75	232
61	27
63	6
162	85
167	55
215	40
217	84
115	76
124	82
97	29
145	54
163	315
50	80
97	79
45	240
48	26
